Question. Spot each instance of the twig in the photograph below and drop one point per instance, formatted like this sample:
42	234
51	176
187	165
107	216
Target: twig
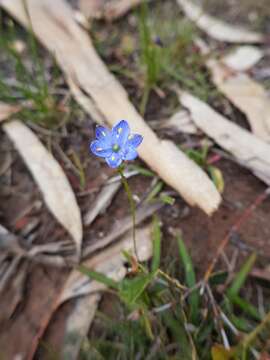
171	280
243	218
190	290
218	317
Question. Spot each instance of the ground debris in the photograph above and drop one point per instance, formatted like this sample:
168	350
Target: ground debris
249	151
110	10
102	201
216	28
171	164
243	58
7	110
78	284
246	94
50	177
178	122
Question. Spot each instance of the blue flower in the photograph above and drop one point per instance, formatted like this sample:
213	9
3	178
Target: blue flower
116	145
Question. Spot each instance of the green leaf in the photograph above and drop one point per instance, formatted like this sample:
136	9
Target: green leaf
196	156
176	327
241	277
98	277
217	177
166	199
147	325
190	279
154	191
132	289
246	307
142	170
241	323
156	236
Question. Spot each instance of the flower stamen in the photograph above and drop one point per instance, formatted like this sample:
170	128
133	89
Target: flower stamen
116	148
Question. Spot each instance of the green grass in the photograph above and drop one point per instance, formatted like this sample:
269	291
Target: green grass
26	81
168	55
164	319
200	157
162	314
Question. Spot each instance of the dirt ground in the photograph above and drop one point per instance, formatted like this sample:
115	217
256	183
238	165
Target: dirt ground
24	305
28	310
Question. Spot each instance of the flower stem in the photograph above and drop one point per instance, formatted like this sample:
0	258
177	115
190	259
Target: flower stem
132	208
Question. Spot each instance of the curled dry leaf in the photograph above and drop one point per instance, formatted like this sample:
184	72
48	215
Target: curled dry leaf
262	274
57	192
247	95
105	196
243	58
110	10
54	25
77	325
102	201
85	101
250	151
218	29
117	8
92	8
6	110
178	122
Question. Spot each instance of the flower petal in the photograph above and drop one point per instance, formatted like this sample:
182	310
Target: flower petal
102	133
100	148
134	140
114	160
120	133
130	154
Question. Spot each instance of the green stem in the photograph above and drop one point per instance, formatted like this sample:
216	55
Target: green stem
252	336
144	100
132	208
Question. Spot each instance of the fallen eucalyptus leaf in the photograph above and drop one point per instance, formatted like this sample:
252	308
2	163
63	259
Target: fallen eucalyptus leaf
102	201
262	274
57	192
91	9
243	58
110	10
248	150
218	29
178	122
247	95
6	110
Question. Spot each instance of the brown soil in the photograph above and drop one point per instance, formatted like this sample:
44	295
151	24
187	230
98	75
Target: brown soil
27	306
29	310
